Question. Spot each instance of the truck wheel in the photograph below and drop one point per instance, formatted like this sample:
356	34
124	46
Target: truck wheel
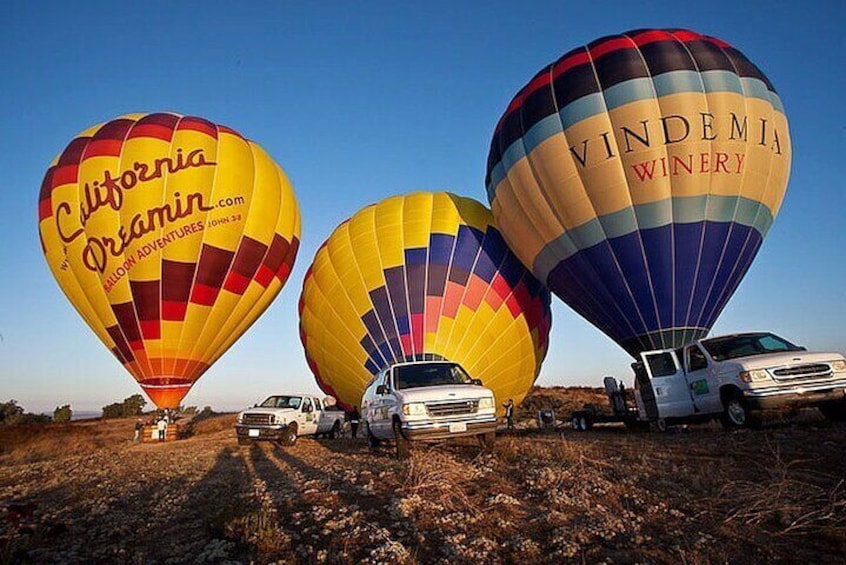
336	430
372	441
402	442
289	436
487	440
735	412
834	410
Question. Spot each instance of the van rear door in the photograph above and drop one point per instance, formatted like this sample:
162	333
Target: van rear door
672	396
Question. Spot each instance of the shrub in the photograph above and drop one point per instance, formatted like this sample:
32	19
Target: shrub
62	414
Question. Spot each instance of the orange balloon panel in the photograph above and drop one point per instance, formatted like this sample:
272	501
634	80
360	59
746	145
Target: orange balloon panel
170	235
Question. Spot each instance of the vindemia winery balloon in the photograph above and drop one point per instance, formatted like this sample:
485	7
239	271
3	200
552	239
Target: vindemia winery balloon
637	177
170	235
425	276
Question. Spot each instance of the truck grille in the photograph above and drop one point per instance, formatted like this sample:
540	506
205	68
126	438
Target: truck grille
256	419
811	371
453	408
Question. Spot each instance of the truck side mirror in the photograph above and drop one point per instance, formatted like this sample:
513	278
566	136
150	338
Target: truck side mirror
381	389
477	382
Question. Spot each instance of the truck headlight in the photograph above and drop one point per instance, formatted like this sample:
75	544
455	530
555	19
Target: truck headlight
414	409
838	365
756	375
486	403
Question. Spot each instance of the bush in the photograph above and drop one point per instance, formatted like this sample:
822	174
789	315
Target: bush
10	413
62	414
131	406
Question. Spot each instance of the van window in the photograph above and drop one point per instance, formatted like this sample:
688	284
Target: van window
696	359
317	405
661	364
306	404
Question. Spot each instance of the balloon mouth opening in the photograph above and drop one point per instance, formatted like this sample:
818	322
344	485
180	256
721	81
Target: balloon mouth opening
166	392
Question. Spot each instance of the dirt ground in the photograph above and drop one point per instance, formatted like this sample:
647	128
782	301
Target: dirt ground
84	493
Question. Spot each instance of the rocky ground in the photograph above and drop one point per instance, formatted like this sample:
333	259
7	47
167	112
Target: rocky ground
84	493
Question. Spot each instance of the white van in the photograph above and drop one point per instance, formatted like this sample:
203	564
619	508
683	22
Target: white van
735	376
425	400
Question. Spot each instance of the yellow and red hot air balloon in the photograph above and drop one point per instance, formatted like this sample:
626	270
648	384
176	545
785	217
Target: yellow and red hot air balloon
425	276
637	177
170	235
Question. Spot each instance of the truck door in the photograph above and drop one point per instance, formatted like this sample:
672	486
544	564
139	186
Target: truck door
706	397
308	421
672	397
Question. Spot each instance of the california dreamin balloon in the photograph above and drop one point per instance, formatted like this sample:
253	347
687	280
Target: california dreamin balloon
170	235
637	177
425	276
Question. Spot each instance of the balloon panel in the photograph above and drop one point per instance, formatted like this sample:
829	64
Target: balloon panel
170	235
422	277
637	177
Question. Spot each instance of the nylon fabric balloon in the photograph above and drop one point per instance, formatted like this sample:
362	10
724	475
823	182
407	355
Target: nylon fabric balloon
637	177
169	235
425	276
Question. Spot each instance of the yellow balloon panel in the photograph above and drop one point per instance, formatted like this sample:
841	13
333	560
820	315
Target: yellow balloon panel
170	235
423	276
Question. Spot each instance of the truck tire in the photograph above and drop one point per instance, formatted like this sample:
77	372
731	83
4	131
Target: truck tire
289	436
487	440
735	411
335	433
403	447
372	441
834	410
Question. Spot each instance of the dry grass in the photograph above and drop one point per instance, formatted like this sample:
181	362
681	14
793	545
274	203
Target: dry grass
84	493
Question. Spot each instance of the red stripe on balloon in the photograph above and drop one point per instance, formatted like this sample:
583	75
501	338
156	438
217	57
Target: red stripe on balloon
606	47
45	209
103	148
151	130
199	125
151	329
173	311
236	283
204	294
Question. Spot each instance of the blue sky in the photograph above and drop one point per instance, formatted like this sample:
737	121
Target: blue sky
358	101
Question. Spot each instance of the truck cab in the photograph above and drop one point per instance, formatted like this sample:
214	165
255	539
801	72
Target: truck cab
285	417
426	400
735	376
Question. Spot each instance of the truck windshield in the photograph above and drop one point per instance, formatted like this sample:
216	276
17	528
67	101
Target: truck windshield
282	402
415	376
734	346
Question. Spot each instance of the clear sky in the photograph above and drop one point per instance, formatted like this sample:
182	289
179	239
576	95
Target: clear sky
361	100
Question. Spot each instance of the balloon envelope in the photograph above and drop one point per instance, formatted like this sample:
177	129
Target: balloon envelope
425	276
637	177
170	235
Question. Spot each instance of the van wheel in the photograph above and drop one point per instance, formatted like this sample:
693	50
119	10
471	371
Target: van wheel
402	442
834	410
372	441
336	431
289	436
487	440
735	412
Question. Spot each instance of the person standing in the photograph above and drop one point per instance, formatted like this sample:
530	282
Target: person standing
509	414
162	427
139	426
355	417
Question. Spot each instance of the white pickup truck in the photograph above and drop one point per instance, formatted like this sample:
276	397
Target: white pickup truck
732	377
283	418
735	376
424	400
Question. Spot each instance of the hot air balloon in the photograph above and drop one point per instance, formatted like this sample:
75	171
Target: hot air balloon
637	177
425	276
170	235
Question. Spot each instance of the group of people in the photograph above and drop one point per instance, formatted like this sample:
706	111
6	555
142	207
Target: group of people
159	422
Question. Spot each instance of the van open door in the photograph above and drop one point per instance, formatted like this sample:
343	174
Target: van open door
667	386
